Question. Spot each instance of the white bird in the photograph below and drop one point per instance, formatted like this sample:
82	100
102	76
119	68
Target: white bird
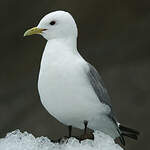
70	88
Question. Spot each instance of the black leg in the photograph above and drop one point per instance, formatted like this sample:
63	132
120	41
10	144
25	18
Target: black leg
85	134
70	130
85	125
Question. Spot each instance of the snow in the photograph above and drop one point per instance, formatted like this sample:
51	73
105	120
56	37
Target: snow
17	140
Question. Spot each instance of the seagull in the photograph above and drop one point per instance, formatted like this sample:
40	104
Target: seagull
70	88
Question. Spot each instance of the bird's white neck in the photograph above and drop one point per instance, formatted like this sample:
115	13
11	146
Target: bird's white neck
62	44
57	50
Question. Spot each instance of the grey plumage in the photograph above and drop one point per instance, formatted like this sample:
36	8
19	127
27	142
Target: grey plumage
98	85
101	92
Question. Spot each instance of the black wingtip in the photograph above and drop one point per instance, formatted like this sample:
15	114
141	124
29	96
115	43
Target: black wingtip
121	138
132	136
128	130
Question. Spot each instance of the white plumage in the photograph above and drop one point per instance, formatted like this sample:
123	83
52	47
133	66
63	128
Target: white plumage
64	87
70	88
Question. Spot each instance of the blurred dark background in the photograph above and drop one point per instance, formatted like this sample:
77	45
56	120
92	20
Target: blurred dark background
113	35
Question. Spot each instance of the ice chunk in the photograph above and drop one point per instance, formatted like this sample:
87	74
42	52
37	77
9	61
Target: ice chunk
17	140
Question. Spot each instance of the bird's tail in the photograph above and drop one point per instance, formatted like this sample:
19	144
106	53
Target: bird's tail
128	132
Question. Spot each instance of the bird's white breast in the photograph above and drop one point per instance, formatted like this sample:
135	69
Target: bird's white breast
64	89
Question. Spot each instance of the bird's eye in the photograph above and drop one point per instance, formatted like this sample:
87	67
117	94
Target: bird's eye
52	22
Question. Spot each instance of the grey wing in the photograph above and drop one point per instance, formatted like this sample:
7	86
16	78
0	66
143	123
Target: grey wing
101	92
98	85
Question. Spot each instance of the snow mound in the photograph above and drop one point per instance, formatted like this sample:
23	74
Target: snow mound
17	140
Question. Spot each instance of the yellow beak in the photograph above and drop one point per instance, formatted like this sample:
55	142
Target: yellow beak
34	30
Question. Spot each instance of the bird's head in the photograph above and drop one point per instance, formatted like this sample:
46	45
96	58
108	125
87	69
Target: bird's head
58	24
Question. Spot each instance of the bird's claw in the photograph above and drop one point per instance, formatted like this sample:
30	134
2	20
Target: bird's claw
64	139
61	140
86	136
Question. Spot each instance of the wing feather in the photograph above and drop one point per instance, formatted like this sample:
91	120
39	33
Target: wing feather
98	85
